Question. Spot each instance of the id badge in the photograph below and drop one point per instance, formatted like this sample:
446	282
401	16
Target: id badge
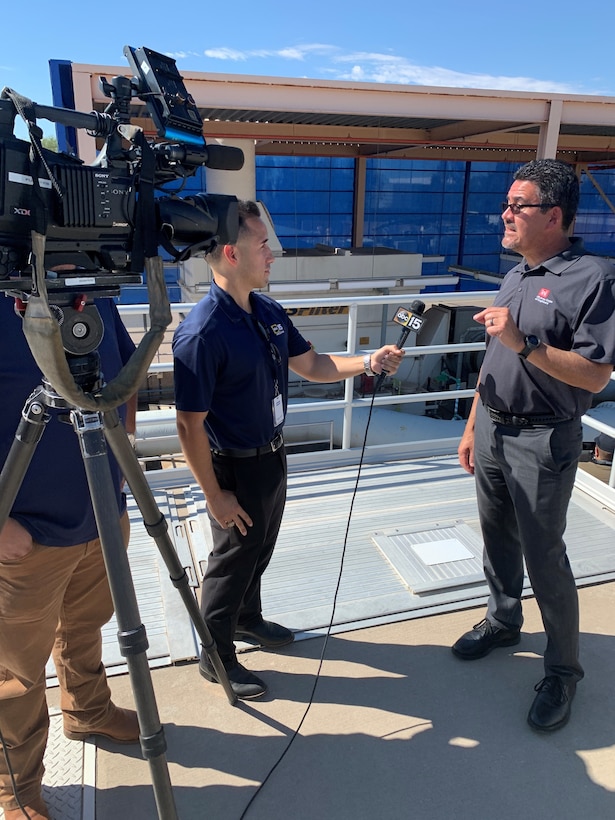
278	410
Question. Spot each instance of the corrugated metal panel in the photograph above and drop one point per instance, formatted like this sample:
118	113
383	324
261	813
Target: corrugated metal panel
367	565
409	497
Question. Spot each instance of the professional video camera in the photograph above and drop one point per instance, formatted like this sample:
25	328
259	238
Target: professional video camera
101	221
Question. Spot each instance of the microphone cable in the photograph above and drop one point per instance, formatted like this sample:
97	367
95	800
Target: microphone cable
411	321
321	660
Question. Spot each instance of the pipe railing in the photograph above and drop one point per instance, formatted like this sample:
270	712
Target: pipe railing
349	402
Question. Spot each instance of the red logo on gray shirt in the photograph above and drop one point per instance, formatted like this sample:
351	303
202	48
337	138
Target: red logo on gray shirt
543	296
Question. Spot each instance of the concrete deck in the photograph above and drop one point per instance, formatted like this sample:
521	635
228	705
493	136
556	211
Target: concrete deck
398	728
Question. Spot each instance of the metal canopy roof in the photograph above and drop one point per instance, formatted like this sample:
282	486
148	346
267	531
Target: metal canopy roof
320	117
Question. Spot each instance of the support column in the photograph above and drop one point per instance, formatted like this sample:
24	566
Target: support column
358	216
241	184
549	131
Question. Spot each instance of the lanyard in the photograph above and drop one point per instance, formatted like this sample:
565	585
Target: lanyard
274	358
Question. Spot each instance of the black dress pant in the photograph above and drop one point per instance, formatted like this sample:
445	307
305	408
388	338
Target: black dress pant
231	591
524	480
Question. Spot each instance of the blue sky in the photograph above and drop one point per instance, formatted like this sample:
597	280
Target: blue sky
524	46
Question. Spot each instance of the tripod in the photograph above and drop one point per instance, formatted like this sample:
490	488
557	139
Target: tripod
94	429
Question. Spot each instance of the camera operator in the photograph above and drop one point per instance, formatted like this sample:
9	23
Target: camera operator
54	594
232	355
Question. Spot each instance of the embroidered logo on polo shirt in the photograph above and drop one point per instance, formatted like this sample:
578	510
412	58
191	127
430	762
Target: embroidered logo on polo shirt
543	296
277	329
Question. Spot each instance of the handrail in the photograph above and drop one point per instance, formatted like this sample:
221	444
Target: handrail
355	304
349	403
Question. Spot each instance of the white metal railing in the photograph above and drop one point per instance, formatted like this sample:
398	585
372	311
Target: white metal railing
349	402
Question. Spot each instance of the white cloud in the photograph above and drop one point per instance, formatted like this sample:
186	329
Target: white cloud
182	55
226	54
373	67
384	68
288	53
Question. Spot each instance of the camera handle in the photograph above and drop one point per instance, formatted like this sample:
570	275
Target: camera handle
94	429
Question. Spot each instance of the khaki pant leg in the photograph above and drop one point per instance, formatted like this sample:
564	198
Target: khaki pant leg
85	697
31	592
25	726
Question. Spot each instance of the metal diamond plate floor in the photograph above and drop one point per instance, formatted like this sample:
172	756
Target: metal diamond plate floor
70	775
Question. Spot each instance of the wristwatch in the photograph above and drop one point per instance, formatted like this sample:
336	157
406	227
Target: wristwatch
367	365
531	343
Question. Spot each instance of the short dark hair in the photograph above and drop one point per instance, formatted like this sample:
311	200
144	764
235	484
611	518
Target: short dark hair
606	443
557	184
246	209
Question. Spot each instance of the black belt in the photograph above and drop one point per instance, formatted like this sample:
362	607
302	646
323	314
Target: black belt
273	445
513	420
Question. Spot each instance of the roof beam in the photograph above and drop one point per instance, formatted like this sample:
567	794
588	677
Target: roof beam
475	123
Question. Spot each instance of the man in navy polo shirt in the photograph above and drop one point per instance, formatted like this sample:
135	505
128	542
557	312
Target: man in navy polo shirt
232	355
550	347
54	593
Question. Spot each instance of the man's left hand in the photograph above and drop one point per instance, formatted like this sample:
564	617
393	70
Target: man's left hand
387	359
499	323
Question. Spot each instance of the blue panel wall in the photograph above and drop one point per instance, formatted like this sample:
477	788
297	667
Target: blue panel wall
437	208
595	221
310	199
415	206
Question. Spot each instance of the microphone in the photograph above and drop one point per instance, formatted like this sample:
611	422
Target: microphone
224	157
218	157
411	320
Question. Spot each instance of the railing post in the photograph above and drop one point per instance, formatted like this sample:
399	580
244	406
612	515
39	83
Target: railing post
353	329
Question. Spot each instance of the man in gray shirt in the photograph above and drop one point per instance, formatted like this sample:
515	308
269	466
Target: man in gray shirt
550	347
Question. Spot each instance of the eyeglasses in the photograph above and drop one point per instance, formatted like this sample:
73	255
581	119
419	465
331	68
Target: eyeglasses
517	207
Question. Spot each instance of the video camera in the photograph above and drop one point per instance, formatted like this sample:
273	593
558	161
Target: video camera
101	221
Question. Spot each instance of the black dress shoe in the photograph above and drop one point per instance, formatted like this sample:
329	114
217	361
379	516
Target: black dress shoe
484	637
244	683
266	633
551	707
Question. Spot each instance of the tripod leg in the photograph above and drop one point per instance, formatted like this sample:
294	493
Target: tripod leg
34	417
156	526
131	634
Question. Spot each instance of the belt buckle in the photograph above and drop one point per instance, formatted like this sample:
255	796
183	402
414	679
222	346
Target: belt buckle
277	443
519	421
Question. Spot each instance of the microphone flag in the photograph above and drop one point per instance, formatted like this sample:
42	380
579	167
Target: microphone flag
411	320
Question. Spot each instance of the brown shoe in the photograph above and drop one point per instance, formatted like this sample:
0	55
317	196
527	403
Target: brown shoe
35	810
121	726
